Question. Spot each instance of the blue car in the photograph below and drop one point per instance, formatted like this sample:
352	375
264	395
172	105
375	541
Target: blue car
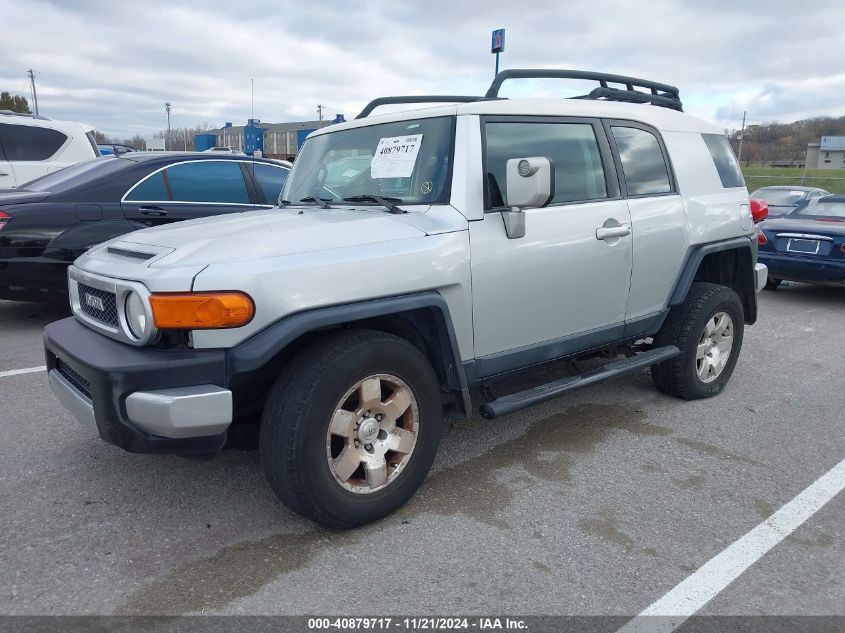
806	245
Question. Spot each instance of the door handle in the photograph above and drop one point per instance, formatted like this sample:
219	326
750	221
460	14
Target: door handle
154	211
608	232
3	173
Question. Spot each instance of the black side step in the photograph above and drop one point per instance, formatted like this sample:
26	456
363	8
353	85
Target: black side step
541	393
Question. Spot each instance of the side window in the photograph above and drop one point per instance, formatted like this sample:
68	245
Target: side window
29	143
579	174
150	190
724	159
271	180
208	181
643	164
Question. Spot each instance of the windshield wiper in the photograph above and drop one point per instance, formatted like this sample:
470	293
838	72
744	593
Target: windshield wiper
387	203
320	202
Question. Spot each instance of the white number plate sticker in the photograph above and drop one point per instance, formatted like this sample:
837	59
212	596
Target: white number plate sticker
395	156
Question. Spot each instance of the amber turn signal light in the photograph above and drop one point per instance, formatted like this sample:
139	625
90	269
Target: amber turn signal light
201	310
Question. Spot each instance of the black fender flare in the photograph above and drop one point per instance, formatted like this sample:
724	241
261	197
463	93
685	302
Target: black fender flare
260	349
697	253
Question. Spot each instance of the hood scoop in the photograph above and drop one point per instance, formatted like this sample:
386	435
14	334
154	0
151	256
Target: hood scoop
125	252
119	252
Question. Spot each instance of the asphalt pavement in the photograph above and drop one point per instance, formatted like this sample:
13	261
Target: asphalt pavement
597	503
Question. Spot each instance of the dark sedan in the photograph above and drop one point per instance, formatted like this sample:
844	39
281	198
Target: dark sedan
783	200
48	222
807	245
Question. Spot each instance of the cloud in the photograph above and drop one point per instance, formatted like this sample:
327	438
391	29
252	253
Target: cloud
114	64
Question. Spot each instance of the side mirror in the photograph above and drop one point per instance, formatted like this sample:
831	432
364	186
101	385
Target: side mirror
759	210
530	184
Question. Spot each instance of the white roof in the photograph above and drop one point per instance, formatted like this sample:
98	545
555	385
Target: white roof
25	119
661	118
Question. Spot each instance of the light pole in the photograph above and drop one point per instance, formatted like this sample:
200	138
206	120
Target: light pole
167	140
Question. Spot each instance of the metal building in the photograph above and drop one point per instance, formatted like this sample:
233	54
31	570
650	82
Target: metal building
828	153
275	140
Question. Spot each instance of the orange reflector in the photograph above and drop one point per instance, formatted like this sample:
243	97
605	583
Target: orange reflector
201	310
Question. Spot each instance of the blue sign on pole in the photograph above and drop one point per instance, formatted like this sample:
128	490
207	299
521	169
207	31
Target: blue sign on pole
498	43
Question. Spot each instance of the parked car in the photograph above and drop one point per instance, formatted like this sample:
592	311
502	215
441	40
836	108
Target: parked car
807	245
223	150
107	149
32	146
336	328
782	200
51	221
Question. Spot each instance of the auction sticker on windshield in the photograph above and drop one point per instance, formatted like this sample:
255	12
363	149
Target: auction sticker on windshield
395	156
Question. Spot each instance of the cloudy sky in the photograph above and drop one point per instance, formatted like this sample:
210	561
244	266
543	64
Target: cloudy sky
114	64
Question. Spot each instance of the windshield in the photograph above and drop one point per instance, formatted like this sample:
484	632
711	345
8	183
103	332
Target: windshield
781	197
407	160
829	209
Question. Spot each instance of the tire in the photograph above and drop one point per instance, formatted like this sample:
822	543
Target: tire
685	328
772	283
302	457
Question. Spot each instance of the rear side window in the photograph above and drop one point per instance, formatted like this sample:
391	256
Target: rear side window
150	190
208	181
28	143
643	164
579	174
724	159
271	180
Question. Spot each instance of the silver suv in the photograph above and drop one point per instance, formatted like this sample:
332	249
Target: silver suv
414	257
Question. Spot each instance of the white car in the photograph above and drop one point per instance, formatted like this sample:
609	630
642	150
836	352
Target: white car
33	146
222	150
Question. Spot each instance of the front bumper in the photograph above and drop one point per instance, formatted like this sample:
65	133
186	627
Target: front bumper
142	400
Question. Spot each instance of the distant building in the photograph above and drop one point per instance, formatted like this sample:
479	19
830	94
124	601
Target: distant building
276	140
828	153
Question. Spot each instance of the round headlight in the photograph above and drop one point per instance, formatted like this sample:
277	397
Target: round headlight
136	314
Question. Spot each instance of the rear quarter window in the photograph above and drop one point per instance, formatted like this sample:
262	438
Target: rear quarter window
724	160
30	143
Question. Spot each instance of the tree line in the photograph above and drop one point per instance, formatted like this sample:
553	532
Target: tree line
14	103
775	142
181	138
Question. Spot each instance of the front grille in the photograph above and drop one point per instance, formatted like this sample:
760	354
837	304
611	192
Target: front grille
127	253
100	305
82	385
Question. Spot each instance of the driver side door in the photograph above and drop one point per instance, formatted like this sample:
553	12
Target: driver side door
562	287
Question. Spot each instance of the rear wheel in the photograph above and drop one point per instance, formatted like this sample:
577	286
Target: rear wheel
772	283
708	329
351	428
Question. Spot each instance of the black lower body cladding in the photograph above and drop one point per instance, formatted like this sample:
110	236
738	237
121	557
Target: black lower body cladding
111	371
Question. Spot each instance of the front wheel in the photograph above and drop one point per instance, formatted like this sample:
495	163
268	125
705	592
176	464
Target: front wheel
351	428
708	329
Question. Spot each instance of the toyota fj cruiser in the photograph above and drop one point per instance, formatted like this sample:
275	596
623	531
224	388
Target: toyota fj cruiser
414	256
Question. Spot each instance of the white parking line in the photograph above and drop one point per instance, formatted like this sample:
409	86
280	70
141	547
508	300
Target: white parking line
16	372
721	570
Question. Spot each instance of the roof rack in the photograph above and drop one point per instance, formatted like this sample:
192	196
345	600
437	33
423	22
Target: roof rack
375	103
659	94
26	114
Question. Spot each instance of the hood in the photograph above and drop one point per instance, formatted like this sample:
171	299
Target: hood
273	233
804	224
